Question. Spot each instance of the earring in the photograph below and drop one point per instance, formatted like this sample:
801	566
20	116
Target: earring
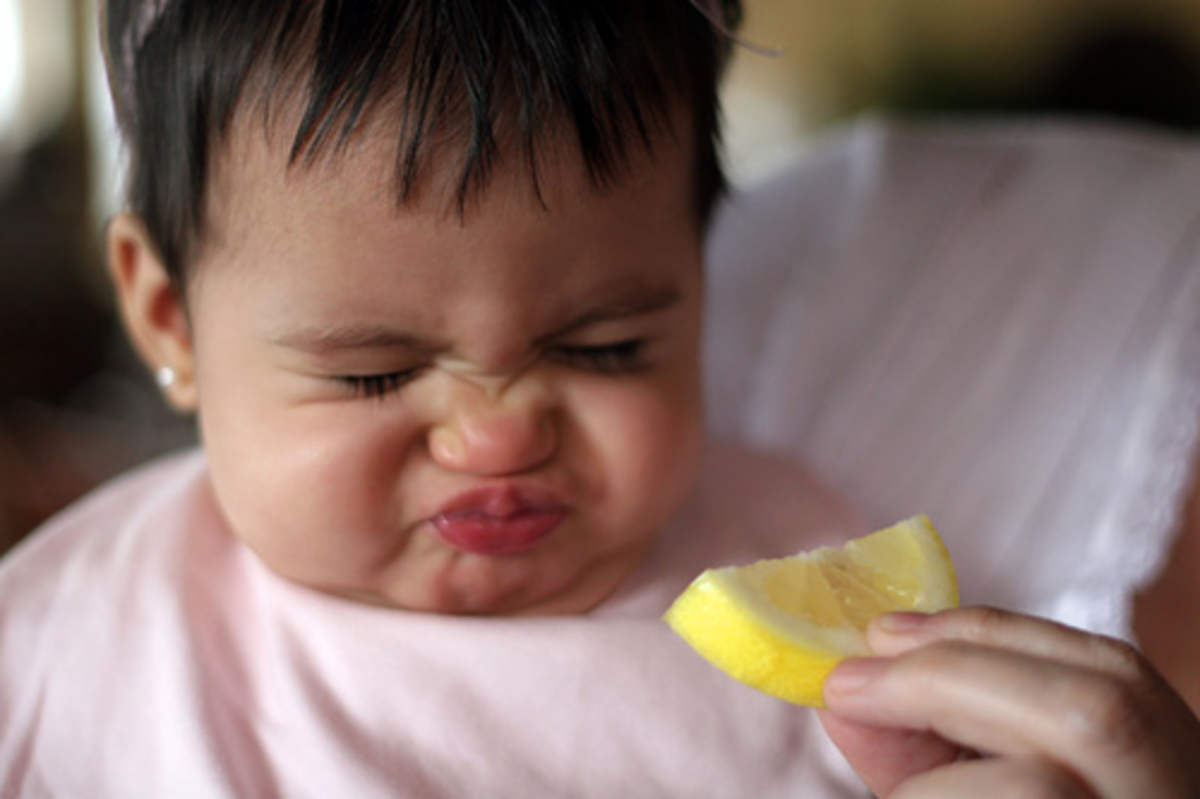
164	376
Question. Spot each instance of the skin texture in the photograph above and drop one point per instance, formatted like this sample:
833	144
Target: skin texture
508	346
1057	712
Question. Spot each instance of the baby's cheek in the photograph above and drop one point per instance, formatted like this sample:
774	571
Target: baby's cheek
674	445
309	496
650	437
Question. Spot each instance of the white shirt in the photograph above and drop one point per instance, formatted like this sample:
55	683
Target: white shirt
997	325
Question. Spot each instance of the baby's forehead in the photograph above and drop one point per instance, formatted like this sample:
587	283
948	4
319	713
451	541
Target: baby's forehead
336	224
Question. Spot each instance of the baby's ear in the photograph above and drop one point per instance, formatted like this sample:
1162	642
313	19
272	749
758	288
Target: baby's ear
152	309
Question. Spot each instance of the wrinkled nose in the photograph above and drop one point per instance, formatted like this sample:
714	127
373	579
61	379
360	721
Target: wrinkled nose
492	440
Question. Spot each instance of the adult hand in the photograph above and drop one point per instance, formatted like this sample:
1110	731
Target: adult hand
978	702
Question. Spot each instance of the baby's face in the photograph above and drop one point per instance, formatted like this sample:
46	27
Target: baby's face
489	413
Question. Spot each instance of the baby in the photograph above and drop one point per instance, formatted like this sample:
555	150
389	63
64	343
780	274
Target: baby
429	274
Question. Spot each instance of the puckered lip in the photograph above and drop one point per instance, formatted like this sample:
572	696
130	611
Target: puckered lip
498	520
500	501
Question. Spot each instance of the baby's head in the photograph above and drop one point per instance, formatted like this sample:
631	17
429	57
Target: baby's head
429	272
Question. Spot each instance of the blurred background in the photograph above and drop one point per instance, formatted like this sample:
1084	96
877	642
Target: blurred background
76	408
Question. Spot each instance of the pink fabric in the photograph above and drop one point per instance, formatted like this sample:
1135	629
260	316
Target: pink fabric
145	652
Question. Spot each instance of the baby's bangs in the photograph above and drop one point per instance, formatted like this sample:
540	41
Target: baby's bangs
488	75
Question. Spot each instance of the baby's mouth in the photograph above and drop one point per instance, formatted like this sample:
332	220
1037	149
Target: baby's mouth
499	521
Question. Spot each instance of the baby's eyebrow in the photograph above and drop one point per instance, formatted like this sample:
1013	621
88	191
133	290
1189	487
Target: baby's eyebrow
324	340
649	303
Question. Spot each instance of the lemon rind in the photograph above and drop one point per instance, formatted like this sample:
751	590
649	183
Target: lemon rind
738	641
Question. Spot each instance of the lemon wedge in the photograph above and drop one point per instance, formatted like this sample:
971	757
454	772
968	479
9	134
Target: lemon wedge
782	625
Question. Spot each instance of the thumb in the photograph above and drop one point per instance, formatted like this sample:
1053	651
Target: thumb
884	758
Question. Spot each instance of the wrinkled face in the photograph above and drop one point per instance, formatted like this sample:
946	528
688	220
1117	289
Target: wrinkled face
483	413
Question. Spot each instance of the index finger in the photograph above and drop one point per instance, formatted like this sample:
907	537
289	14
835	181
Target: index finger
993	627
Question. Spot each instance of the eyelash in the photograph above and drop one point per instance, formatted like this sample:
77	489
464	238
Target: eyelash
618	358
375	386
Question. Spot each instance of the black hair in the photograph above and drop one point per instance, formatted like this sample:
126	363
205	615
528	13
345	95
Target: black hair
606	71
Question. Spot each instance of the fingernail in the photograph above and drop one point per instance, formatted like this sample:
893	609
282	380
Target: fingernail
851	676
902	623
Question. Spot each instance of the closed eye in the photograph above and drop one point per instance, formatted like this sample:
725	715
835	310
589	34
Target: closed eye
615	358
375	386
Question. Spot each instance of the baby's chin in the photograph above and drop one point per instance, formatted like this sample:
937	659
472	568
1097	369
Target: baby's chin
475	585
